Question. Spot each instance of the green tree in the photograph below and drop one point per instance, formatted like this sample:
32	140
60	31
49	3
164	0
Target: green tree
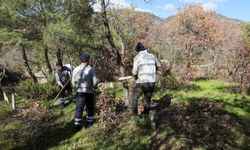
35	18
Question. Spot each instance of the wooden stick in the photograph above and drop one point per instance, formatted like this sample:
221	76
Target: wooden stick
58	94
13	101
5	97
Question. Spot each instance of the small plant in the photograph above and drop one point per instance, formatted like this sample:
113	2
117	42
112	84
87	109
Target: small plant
168	82
36	119
143	122
38	91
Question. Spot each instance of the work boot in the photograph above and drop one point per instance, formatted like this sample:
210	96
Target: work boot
66	102
59	102
89	124
70	98
90	121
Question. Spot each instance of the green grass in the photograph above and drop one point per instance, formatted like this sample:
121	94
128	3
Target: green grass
207	114
7	124
217	91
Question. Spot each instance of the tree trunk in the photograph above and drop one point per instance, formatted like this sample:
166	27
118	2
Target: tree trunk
59	55
122	70
2	75
109	35
47	59
189	56
46	50
189	61
27	66
248	89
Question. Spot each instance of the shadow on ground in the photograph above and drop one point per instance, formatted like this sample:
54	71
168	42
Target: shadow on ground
202	123
197	123
51	136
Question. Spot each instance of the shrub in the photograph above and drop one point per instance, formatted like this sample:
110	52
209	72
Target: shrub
41	91
170	82
36	118
143	122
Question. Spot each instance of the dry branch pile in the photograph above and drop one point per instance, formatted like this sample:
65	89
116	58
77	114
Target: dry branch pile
109	111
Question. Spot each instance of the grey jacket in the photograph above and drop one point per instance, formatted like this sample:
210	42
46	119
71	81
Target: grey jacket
64	72
145	67
84	78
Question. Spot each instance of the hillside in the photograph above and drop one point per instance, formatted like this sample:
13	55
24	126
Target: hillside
205	115
192	69
13	57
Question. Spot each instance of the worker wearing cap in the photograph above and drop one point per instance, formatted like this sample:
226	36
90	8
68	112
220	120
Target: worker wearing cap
84	80
63	76
144	71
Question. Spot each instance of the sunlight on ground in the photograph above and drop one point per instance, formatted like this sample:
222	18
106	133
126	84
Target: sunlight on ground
207	114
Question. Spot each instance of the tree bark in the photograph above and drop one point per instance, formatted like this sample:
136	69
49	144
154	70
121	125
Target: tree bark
59	55
46	51
110	39
2	75
27	66
44	20
122	69
248	89
109	35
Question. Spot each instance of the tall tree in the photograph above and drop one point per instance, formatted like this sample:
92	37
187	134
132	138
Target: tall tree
2	73
107	30
26	64
110	38
15	35
35	17
245	59
195	30
15	40
120	21
234	53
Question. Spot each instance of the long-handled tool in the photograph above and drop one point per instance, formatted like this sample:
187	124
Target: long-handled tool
58	94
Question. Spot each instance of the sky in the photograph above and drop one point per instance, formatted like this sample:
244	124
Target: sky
238	9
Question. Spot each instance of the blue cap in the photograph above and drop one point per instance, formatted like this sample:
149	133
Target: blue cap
84	57
139	47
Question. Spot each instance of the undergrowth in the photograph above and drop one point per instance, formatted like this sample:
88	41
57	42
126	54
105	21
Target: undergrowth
206	114
27	89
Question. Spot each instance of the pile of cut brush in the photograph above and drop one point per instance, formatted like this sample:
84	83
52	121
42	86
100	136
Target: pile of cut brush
110	111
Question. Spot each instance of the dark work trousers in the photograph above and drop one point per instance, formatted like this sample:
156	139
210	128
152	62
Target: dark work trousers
83	99
67	88
147	90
